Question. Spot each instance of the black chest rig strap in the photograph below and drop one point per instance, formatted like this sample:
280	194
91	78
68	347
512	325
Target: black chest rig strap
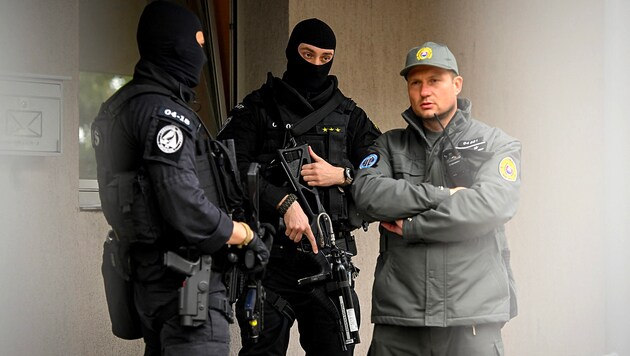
318	115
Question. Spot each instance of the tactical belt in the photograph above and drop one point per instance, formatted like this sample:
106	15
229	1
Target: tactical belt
172	309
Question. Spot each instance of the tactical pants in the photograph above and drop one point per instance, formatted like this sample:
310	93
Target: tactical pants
157	303
394	340
319	333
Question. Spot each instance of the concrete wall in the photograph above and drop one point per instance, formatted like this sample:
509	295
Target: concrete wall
616	193
547	72
263	31
52	300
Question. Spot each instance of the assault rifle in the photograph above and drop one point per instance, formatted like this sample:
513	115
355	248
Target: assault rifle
336	271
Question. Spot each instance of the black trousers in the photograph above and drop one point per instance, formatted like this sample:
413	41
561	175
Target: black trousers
157	303
318	328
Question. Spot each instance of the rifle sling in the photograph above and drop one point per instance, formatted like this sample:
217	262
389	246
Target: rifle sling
318	115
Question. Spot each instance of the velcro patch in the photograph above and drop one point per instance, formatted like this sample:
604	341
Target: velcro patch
175	116
170	139
507	169
369	161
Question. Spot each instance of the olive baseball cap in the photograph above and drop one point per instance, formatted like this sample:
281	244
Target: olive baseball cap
430	54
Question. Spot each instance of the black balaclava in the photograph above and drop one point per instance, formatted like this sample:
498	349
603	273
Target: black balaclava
167	37
302	75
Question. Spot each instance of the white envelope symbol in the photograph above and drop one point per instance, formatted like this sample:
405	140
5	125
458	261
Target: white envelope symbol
24	123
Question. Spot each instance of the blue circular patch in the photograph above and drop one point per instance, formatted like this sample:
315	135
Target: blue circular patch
369	161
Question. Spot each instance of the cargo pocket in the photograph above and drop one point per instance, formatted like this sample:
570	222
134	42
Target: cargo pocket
410	169
144	211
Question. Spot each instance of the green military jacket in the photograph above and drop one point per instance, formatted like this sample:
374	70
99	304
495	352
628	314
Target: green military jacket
451	265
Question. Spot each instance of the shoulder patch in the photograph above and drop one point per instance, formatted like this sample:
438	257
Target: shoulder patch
174	115
507	169
170	139
369	161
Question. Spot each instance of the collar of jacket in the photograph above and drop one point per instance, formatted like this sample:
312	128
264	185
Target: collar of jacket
289	96
457	123
149	73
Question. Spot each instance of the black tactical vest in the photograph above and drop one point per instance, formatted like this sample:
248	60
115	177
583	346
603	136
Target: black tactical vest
328	138
127	195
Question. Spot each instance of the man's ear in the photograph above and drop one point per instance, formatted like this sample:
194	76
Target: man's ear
458	82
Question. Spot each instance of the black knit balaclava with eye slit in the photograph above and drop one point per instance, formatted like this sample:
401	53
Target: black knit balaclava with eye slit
300	74
167	37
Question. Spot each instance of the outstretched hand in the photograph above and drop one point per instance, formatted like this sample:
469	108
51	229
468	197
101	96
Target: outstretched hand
320	173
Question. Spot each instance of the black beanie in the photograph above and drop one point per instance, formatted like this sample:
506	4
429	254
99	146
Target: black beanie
301	74
167	37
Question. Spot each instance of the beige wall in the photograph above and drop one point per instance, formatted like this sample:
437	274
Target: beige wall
263	31
544	71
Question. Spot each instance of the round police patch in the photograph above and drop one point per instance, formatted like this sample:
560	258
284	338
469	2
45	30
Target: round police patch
170	139
369	161
424	53
507	169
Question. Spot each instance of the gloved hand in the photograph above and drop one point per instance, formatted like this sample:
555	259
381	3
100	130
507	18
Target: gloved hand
257	254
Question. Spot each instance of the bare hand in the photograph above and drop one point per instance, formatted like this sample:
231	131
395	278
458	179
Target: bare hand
297	225
321	173
396	227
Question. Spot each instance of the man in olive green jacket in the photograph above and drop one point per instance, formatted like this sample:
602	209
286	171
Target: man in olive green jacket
442	188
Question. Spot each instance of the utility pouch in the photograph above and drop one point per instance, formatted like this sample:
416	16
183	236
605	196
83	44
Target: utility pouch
129	206
119	289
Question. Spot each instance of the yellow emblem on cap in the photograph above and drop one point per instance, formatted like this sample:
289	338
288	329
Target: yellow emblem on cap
507	169
424	53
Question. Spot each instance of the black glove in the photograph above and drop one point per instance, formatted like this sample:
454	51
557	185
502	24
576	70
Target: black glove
257	254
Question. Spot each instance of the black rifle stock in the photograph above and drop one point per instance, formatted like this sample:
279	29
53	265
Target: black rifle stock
336	270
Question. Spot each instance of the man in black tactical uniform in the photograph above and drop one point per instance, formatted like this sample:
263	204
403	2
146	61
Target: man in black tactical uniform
159	187
261	125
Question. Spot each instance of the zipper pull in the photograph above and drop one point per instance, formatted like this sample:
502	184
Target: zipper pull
474	330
